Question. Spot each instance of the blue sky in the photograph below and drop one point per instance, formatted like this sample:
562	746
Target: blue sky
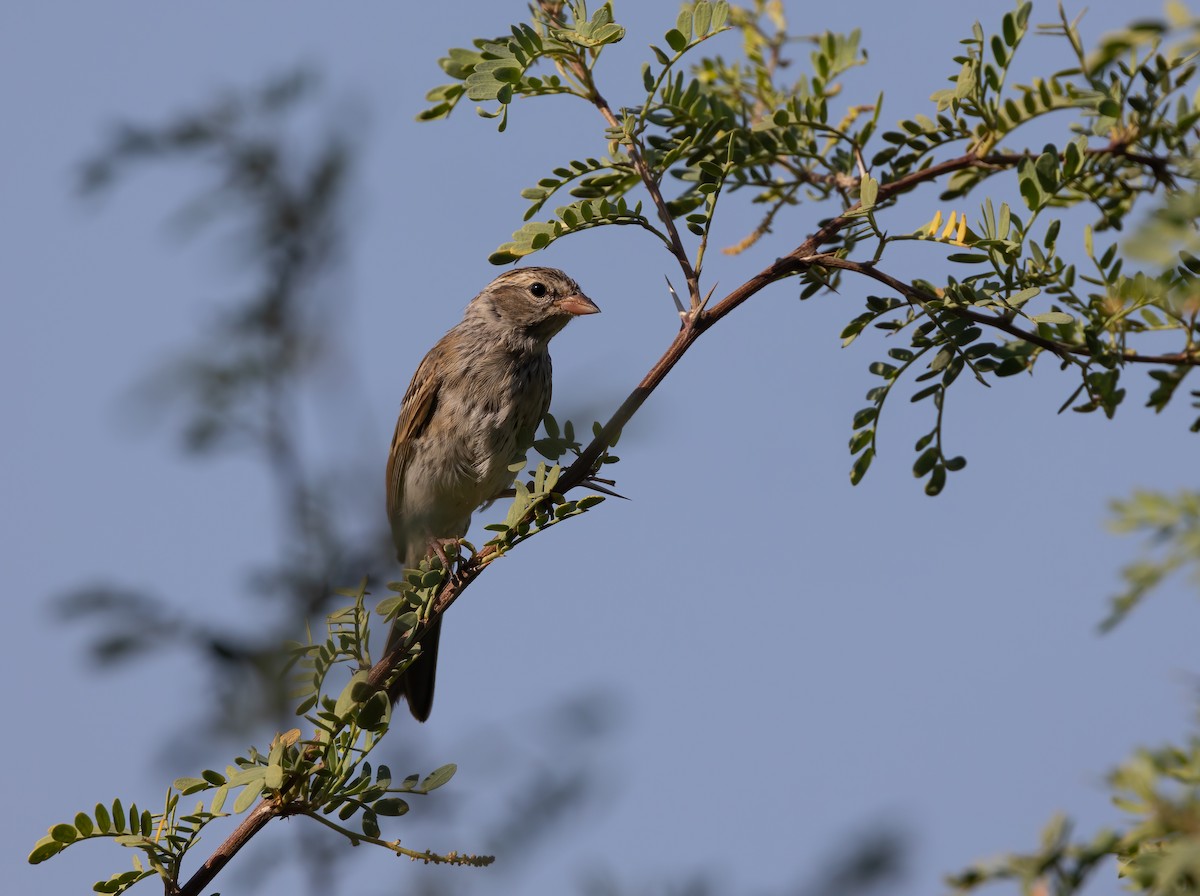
795	660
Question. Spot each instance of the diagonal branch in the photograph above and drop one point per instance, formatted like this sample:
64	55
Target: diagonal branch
254	822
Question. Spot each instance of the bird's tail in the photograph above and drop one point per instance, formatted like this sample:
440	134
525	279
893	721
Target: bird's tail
416	683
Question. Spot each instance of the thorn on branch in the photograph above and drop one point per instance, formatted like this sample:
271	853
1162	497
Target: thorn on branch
595	485
675	297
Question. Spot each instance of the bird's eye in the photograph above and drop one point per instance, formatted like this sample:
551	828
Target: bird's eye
538	289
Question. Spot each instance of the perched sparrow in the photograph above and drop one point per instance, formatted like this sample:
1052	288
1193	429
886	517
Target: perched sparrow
469	413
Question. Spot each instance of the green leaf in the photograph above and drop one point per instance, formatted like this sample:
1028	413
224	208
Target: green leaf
683	24
103	821
861	465
941	359
1030	193
350	695
676	41
883	369
370	823
83	824
64	833
1053	317
460	62
599	36
249	794
702	17
1018	299
998	50
937	481
868	191
376	713
481	86
720	14
188	786
1071	158
390	806
1009	25
925	462
964	85
864	416
45	849
1046	168
437	778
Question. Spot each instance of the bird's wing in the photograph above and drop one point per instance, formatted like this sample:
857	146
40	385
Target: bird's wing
416	410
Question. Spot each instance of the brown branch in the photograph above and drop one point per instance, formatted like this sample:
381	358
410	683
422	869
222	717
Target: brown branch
254	822
656	197
1160	166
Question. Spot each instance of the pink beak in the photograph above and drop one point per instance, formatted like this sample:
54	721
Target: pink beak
578	304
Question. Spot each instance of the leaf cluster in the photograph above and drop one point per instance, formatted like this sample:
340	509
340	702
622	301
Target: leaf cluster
499	70
1156	849
723	126
1170	524
539	502
326	777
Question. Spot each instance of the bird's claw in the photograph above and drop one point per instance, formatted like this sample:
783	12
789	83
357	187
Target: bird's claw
438	546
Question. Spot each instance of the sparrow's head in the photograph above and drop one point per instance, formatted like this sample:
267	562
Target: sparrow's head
532	303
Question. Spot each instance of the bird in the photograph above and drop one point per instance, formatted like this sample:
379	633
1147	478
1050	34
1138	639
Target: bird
468	415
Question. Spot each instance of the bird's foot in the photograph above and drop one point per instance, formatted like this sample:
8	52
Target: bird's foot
443	548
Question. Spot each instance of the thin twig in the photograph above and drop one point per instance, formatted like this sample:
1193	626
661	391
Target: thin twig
580	70
1062	349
